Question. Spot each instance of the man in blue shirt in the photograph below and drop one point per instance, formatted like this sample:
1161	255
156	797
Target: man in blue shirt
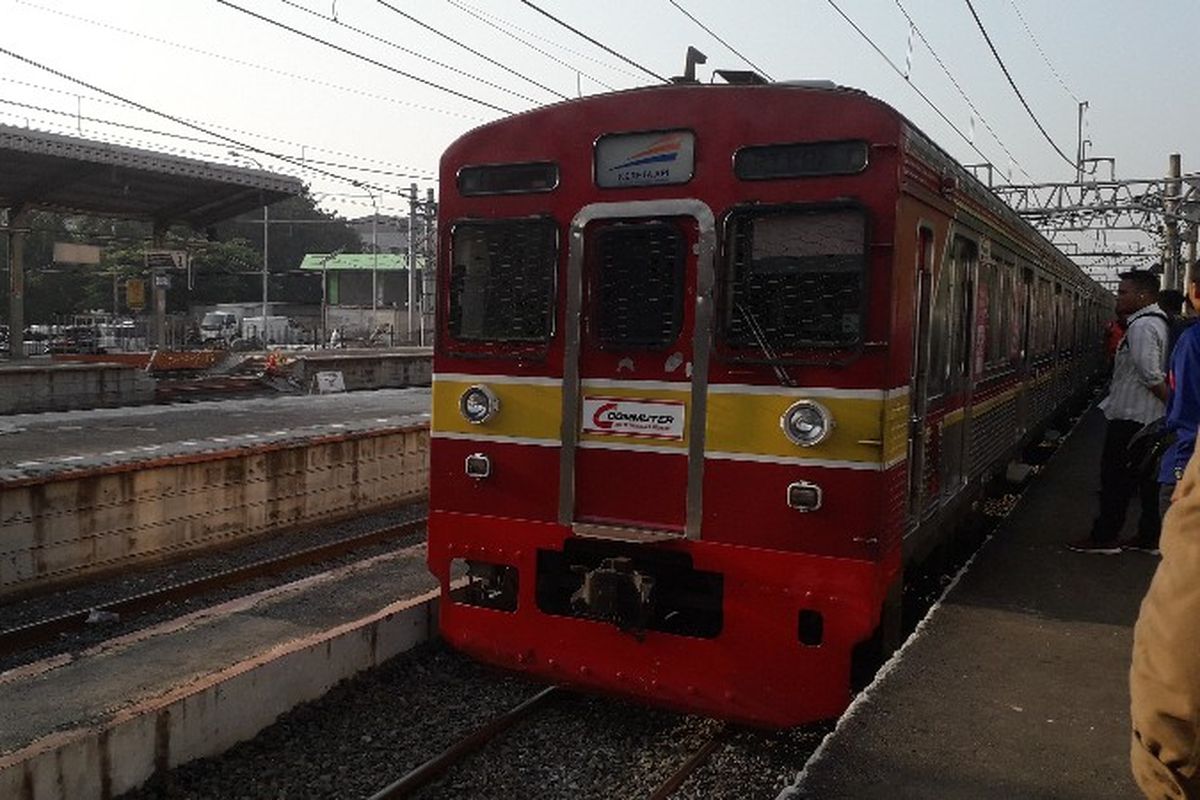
1183	405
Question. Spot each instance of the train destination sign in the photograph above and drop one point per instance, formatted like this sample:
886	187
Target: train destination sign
650	419
645	159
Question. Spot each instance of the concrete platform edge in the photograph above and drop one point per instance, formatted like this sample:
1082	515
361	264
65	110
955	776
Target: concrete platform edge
799	789
210	715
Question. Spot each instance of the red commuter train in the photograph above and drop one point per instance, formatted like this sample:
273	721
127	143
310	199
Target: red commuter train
713	362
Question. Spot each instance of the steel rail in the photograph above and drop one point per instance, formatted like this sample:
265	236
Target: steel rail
16	639
434	767
694	762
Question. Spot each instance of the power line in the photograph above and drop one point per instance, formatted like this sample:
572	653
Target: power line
713	34
472	12
471	50
1045	58
1013	84
603	47
532	35
248	64
361	57
915	88
961	92
179	121
197	140
304	147
406	50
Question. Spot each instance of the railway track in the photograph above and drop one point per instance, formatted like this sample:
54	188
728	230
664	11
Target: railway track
428	772
694	762
436	766
22	637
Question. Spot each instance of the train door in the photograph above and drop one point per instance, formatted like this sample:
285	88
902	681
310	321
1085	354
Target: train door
954	440
638	333
918	390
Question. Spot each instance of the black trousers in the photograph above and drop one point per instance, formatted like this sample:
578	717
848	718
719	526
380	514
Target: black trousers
1118	485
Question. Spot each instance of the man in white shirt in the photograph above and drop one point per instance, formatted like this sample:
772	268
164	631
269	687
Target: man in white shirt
1137	396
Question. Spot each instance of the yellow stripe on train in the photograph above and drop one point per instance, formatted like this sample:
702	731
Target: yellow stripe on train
750	424
870	430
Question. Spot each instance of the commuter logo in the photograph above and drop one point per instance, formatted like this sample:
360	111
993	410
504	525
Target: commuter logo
649	419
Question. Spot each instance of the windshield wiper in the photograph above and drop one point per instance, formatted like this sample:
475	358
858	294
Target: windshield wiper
761	339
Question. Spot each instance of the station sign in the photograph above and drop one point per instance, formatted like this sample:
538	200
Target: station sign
135	293
166	259
74	253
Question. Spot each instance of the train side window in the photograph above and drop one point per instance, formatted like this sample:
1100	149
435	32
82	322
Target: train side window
965	256
502	280
939	331
1027	311
997	301
797	278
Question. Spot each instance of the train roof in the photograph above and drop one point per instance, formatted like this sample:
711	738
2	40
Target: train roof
924	146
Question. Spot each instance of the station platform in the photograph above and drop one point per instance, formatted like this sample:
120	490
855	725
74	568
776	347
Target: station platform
87	493
93	725
1016	685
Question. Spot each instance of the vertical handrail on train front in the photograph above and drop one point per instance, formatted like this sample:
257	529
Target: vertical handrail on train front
701	345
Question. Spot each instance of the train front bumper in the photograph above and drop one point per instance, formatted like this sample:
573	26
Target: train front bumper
781	657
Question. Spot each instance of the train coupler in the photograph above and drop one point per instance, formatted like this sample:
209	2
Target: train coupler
616	592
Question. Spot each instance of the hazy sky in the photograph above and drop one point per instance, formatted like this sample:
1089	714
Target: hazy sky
218	67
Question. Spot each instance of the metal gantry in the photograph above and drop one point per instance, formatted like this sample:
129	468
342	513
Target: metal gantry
1166	210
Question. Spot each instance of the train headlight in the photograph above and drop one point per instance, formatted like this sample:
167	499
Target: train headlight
806	423
478	404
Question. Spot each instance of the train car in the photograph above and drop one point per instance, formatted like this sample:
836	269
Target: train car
712	363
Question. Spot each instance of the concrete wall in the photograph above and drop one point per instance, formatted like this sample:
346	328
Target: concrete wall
61	387
77	524
209	715
368	369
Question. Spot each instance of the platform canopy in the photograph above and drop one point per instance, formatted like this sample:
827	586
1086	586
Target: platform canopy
40	170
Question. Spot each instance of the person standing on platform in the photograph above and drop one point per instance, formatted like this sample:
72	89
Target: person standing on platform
1164	679
1137	396
1183	406
1170	301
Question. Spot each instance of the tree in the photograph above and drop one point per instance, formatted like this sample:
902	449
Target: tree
225	267
289	242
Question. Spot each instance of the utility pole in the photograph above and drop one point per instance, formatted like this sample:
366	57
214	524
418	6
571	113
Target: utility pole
1171	198
428	266
1079	149
412	256
17	223
265	274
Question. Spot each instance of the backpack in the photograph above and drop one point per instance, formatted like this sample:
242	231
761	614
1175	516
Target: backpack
1145	450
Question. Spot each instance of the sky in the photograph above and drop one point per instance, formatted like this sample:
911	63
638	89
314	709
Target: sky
379	127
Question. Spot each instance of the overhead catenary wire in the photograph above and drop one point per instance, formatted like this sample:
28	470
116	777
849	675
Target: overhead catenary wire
470	49
583	35
424	81
408	51
900	72
1013	84
304	146
547	40
1045	57
425	177
248	64
482	18
716	36
250	148
960	90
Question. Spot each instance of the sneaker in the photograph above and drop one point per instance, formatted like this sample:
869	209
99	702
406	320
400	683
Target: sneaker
1141	546
1090	545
